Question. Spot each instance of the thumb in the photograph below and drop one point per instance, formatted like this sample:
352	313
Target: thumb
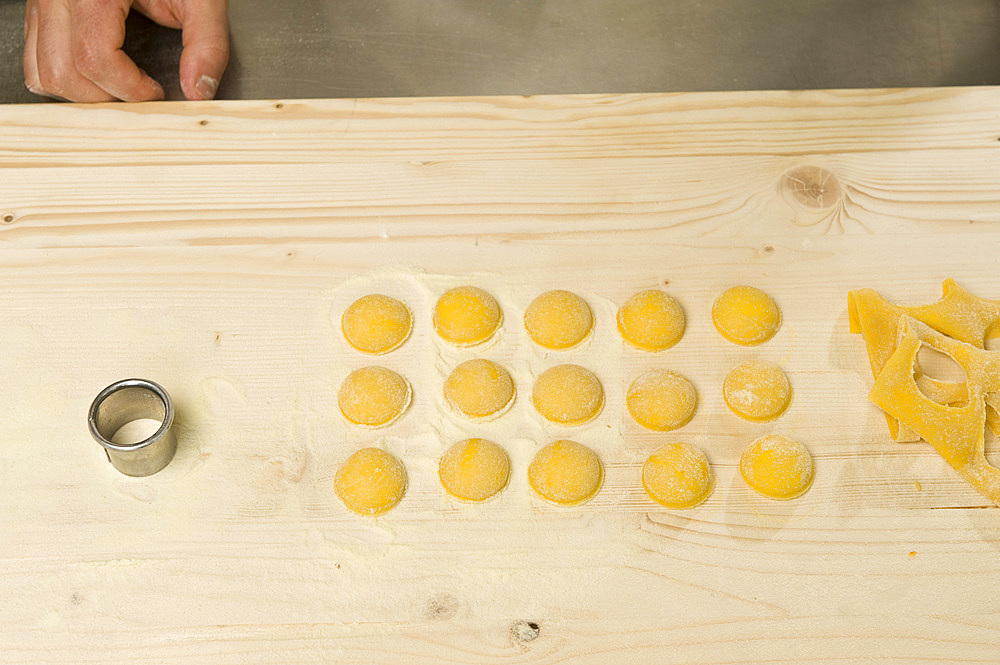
205	35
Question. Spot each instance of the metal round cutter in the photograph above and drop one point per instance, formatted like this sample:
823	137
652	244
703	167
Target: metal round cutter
124	402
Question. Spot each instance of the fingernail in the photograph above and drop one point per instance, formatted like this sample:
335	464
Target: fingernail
206	87
42	93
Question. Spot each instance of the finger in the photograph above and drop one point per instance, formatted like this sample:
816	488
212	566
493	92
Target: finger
30	57
57	73
97	39
205	34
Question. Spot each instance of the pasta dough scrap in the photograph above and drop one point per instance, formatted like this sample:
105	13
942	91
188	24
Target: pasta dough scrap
376	324
777	467
757	391
876	319
661	400
466	316
566	473
957	432
371	482
568	395
651	321
962	315
678	476
959	314
558	320
479	389
474	469
746	315
373	396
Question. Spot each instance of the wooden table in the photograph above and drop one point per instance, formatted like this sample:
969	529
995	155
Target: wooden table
212	247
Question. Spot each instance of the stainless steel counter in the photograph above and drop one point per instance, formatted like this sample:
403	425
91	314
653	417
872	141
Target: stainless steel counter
373	48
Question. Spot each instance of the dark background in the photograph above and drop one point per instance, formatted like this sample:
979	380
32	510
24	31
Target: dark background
376	48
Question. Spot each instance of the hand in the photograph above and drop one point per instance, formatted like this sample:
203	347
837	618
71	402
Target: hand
72	48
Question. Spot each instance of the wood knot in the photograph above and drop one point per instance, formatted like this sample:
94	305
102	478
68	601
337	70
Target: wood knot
288	468
8	218
812	187
525	631
441	607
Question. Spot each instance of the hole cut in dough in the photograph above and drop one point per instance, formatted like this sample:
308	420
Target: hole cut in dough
558	320
479	389
566	473
474	469
777	467
376	324
466	316
651	321
371	482
661	400
940	377
568	395
678	476
373	396
746	315
991	339
757	391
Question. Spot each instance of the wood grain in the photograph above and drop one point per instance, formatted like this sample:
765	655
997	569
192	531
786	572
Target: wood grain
211	247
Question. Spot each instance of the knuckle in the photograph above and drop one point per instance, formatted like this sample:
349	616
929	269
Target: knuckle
93	7
88	59
217	49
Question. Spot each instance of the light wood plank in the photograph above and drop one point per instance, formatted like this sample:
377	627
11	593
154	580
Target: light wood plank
216	258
